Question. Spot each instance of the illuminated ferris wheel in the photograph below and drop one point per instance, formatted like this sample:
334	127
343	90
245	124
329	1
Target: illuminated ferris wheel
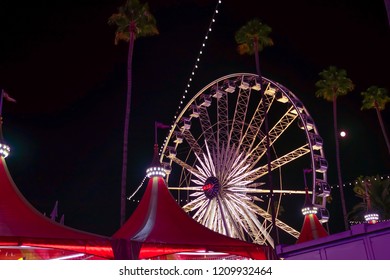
215	155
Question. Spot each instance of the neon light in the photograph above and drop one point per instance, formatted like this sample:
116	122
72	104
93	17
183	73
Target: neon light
371	218
69	257
156	171
207	187
309	210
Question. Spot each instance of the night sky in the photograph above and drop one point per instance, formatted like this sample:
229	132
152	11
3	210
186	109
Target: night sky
59	61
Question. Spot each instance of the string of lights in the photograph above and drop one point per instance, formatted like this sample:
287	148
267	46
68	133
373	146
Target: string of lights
355	182
383	177
196	66
140	185
364	222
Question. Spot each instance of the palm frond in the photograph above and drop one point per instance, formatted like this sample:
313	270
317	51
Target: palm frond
136	16
334	82
374	97
375	193
254	31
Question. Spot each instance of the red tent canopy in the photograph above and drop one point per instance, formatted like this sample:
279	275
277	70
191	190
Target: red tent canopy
22	226
160	227
311	229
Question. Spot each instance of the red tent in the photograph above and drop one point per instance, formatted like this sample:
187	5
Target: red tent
311	228
159	228
26	233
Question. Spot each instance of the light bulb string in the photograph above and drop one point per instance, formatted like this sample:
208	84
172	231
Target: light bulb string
140	185
194	68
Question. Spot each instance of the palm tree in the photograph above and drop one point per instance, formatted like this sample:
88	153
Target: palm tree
375	195
334	83
376	98
251	39
133	20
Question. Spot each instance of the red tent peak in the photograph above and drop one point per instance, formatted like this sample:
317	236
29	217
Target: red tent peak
312	228
159	226
156	168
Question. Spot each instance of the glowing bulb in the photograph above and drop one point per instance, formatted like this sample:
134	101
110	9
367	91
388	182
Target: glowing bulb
343	133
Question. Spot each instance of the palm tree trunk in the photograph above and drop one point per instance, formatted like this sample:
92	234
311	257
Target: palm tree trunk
257	61
126	125
340	181
378	113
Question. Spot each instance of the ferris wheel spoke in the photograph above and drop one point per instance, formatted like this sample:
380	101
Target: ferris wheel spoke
200	208
189	188
245	190
222	117
230	162
253	129
240	189
186	166
289	157
207	129
268	217
235	209
193	144
275	132
213	215
209	214
252	225
231	222
238	124
286	228
194	204
223	213
282	124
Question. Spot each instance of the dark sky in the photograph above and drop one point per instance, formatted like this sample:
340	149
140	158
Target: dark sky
59	61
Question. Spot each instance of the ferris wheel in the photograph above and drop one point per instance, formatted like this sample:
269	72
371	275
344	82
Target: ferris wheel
215	157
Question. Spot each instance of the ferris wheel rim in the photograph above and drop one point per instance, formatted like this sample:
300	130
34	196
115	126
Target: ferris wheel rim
287	93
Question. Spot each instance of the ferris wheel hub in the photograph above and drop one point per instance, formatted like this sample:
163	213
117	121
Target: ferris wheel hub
211	187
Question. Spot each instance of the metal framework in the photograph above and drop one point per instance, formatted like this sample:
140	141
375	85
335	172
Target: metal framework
216	151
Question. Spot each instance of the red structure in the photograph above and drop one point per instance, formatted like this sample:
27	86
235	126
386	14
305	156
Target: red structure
25	233
312	228
160	229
